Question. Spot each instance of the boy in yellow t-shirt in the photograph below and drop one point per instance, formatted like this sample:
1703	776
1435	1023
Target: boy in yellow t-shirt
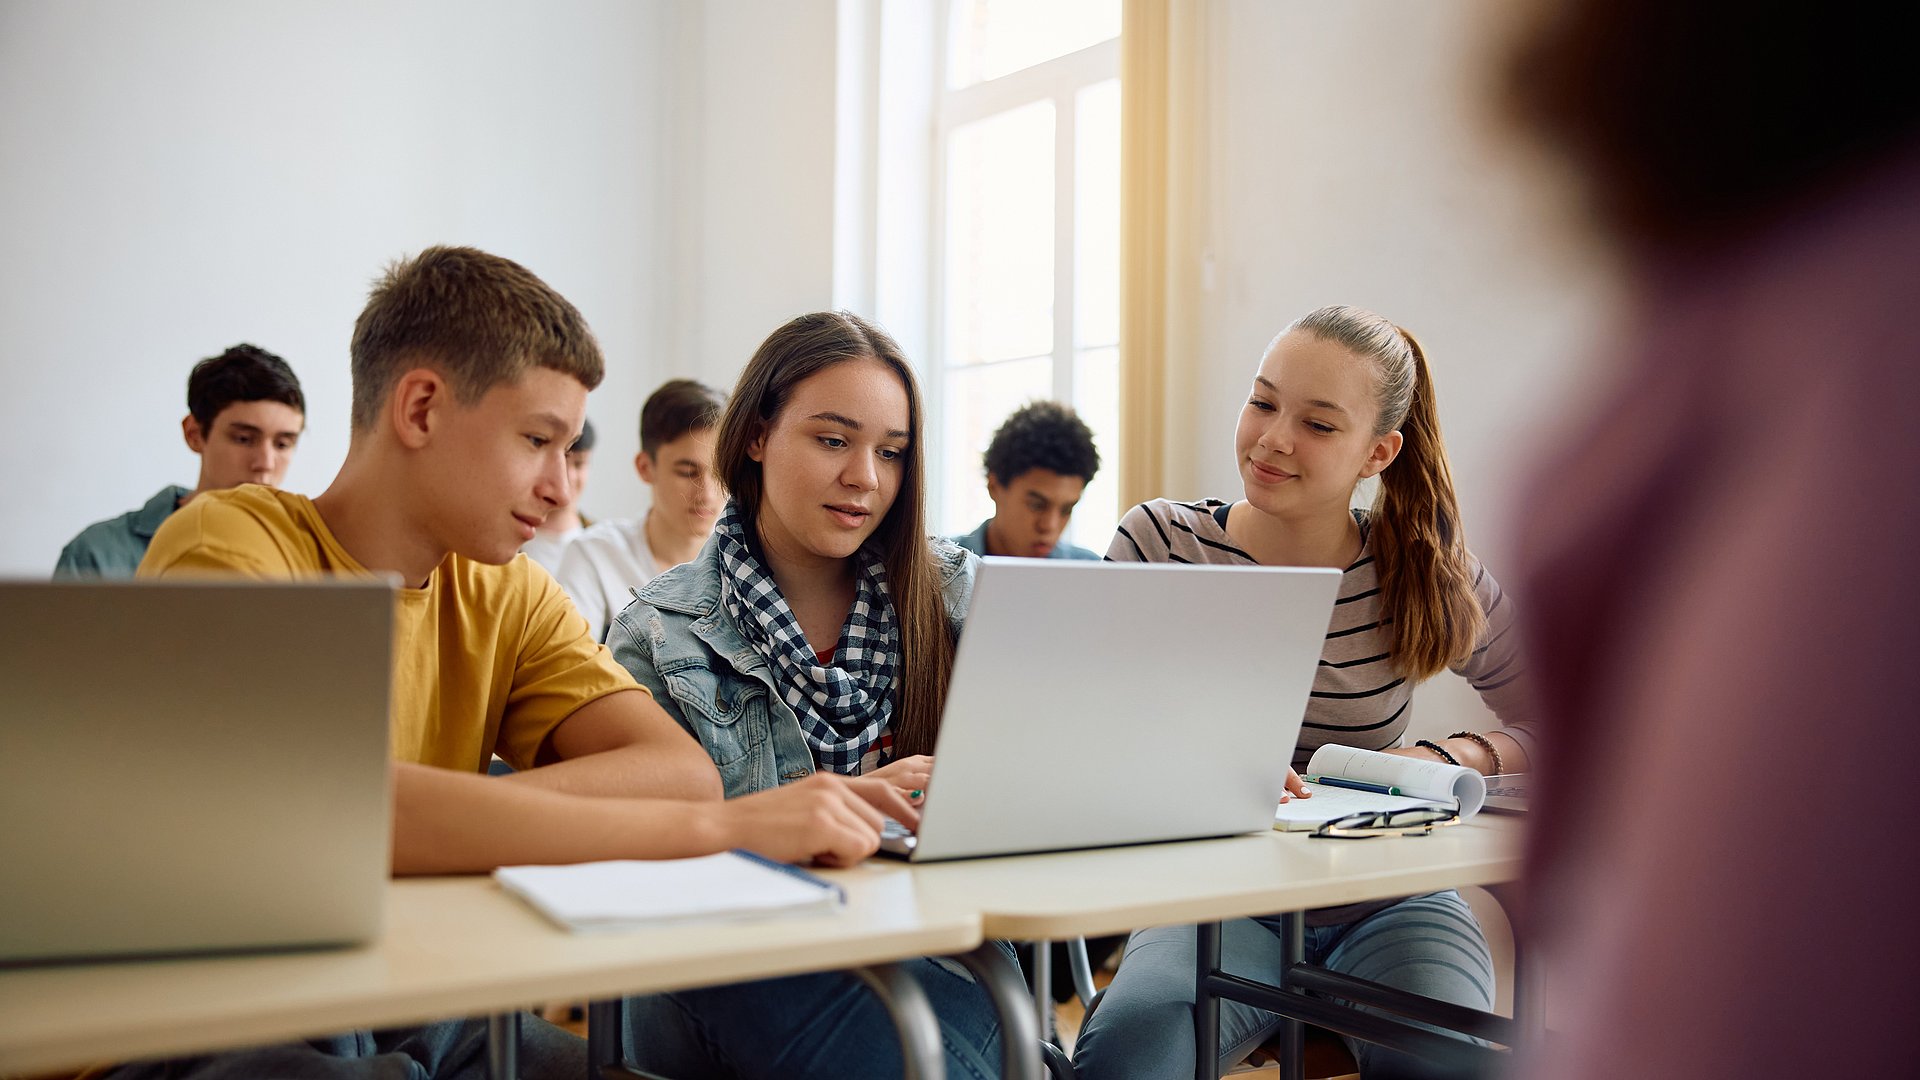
470	381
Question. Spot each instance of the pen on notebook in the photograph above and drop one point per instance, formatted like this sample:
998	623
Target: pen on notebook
1357	785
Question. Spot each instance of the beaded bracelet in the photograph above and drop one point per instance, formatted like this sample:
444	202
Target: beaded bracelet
1498	768
1438	749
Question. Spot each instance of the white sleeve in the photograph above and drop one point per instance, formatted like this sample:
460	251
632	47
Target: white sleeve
581	579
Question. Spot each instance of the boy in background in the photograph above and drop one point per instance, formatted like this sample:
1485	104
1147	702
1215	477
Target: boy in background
245	413
603	566
1038	465
566	523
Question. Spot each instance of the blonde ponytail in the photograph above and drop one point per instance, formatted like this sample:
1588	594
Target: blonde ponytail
1419	551
1418	547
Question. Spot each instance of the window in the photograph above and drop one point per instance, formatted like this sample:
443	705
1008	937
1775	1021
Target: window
1028	237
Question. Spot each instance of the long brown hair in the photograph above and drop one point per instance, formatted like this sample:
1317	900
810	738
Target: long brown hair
1426	586
792	354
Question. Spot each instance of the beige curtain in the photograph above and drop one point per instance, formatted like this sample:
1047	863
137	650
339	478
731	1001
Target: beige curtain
1162	110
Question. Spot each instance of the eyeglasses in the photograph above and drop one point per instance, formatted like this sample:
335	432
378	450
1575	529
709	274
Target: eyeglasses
1416	821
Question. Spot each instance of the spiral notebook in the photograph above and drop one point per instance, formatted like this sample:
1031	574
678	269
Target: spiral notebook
1417	782
627	894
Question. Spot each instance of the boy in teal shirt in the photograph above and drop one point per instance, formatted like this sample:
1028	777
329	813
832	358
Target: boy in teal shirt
1038	465
245	413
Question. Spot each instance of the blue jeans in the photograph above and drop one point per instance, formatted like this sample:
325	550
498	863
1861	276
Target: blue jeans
827	1026
1427	945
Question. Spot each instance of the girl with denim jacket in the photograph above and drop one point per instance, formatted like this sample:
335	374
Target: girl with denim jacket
1341	396
814	632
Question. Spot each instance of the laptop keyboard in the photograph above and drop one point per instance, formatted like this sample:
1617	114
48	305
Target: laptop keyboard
897	839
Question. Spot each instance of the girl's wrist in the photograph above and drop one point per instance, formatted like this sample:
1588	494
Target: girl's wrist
1483	749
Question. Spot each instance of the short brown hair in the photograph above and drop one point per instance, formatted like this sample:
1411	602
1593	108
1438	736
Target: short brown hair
479	319
677	407
242	373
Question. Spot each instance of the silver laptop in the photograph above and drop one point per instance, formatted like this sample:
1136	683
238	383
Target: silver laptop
189	767
1095	704
1508	792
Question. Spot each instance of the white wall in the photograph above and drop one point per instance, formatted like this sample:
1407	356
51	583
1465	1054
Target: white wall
752	204
1346	155
180	178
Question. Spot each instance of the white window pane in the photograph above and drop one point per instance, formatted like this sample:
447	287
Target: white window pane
1097	215
1096	386
977	400
991	38
999	265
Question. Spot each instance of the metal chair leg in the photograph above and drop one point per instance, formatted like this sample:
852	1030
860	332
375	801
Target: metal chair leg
503	1046
1082	967
1019	1033
1293	1033
1043	987
604	1047
919	1030
1206	1007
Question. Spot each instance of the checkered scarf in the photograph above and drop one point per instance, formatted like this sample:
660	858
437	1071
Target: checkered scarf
845	709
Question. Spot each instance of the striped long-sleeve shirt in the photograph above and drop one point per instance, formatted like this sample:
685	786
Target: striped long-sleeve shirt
1358	698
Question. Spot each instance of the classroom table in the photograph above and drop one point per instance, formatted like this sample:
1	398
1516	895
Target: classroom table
1115	890
452	947
459	947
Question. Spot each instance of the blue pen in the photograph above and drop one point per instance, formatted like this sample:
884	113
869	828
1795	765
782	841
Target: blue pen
1357	785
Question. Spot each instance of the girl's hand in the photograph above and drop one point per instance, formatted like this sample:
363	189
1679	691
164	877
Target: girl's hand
909	774
1296	787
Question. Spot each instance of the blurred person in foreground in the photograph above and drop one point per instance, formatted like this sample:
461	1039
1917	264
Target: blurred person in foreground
1722	564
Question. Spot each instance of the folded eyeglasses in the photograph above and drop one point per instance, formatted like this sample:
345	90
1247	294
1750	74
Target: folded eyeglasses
1414	821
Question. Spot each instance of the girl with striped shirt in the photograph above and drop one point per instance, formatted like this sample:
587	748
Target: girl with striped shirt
1341	395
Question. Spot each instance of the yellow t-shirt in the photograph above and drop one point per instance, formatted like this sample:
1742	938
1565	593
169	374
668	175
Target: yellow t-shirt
486	659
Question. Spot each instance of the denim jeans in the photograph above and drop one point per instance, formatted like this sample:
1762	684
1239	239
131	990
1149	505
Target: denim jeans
453	1050
1427	945
827	1026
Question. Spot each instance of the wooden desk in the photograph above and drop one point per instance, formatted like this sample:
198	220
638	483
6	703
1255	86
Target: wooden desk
452	947
1115	890
459	947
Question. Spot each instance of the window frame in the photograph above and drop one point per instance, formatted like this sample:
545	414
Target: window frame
1059	80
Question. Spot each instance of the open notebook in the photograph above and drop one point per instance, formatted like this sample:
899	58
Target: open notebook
626	894
1419	782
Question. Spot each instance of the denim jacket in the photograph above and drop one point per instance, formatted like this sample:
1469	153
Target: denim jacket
679	642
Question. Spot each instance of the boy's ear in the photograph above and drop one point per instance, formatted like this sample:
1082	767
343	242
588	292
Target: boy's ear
414	406
643	464
196	439
1385	449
